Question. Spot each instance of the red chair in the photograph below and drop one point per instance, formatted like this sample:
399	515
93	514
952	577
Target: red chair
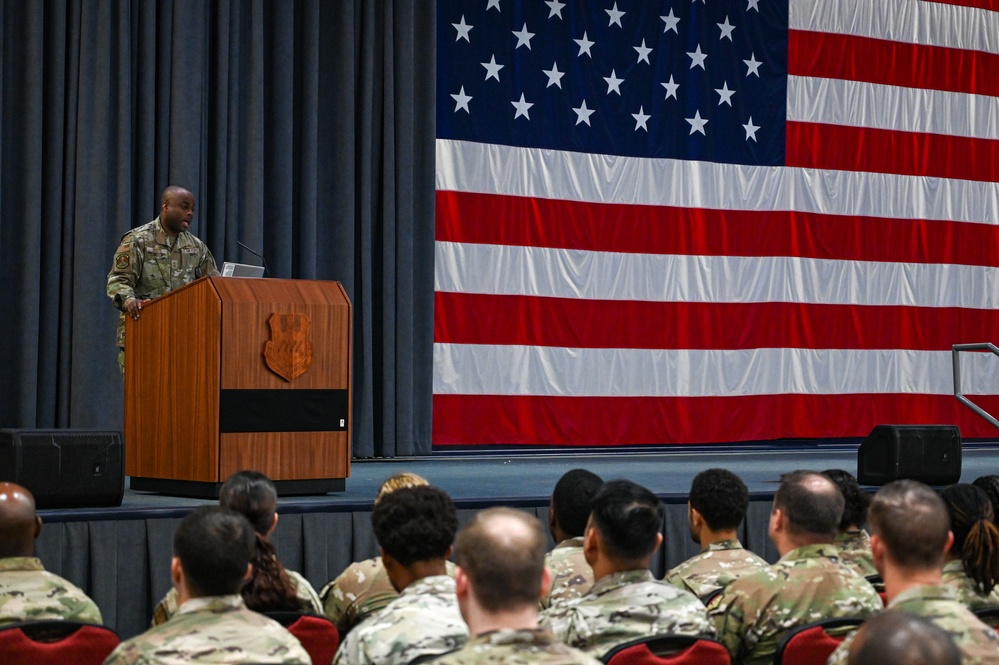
668	649
51	642
317	634
812	643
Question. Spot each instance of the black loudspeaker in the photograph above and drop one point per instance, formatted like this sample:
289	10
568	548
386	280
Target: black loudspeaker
927	453
65	468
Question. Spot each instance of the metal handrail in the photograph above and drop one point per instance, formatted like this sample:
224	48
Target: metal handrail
958	393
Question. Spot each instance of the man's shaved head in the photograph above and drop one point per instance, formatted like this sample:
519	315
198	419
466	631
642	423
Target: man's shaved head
19	525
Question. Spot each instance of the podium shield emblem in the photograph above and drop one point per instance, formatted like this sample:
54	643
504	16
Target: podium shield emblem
288	353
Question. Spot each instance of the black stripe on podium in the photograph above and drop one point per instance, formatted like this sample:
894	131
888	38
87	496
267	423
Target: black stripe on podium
282	411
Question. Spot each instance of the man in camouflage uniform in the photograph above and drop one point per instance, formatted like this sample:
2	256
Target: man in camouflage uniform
157	258
716	507
212	550
805	585
853	543
910	538
501	576
625	602
27	591
567	515
895	637
415	528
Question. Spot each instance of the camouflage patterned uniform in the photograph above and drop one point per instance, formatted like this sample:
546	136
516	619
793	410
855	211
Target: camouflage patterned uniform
855	551
517	647
360	591
423	620
167	607
967	592
625	606
571	575
805	585
214	629
147	265
979	643
29	593
714	568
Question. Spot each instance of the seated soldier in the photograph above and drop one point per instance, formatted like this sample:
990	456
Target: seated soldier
973	562
716	507
852	541
212	552
500	578
415	529
808	583
567	515
272	587
895	637
27	591
625	602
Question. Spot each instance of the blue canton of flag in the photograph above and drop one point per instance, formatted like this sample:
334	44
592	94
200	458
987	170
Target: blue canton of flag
703	80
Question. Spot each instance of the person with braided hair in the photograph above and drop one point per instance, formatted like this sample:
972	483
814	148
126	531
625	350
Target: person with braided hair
973	563
271	587
991	486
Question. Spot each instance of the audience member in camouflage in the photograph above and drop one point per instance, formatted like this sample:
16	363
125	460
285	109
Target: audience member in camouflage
212	547
973	565
157	258
502	574
27	591
625	602
805	585
568	512
363	588
855	551
415	528
894	637
852	541
717	505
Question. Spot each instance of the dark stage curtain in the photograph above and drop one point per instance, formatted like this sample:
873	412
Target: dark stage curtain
304	128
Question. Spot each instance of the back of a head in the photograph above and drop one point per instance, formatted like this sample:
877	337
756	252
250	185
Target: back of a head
990	484
502	551
811	503
399	481
252	495
894	637
911	521
214	546
976	538
857	503
629	518
720	497
573	498
415	524
17	521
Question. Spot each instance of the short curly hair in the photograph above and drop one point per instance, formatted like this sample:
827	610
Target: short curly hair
415	524
720	497
572	499
857	502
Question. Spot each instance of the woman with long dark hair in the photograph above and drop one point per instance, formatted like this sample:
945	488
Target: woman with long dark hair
973	563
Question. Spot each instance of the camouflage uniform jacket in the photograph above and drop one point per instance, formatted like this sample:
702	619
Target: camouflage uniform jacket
624	606
358	592
571	575
714	568
214	629
855	551
167	607
29	593
805	585
967	591
423	620
979	643
516	647
146	265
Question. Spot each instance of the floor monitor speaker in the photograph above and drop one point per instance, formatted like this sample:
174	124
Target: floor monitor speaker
927	453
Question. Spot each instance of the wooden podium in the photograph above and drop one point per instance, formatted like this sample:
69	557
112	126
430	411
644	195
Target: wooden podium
231	373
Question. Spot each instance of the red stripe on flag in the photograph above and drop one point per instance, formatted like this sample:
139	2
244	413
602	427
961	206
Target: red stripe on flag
533	222
836	147
851	58
608	421
991	5
461	318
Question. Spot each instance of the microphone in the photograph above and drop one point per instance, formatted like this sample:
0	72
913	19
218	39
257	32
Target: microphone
267	273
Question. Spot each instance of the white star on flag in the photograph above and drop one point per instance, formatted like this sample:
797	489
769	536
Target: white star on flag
583	114
556	8
725	93
754	4
613	83
750	129
643	52
615	16
726	30
493	4
463	30
522	108
554	75
697	123
461	101
753	64
641	118
492	69
584	45
671	23
697	58
523	38
671	88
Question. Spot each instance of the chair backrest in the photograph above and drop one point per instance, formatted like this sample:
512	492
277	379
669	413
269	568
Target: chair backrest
811	644
55	641
988	616
668	650
317	634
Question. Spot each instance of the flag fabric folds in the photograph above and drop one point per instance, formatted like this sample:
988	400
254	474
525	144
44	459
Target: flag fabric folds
712	221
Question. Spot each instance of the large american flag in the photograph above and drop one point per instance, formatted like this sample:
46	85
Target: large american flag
680	221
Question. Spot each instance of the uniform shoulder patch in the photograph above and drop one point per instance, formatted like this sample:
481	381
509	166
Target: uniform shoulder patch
122	261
